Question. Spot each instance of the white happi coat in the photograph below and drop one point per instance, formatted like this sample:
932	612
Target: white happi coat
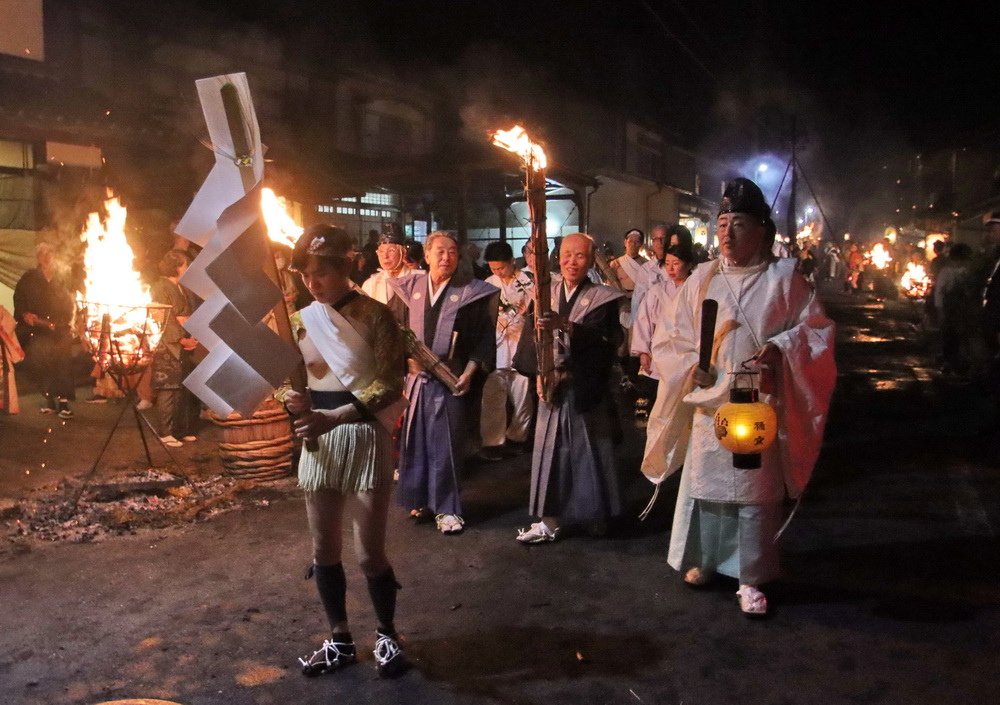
778	306
510	324
377	285
656	310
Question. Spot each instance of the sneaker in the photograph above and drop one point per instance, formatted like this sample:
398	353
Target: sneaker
537	533
335	653
189	438
64	411
753	603
389	658
449	523
96	399
170	442
144	404
46	410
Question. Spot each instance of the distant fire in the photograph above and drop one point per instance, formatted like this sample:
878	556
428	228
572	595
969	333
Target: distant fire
281	227
879	256
516	140
915	282
123	325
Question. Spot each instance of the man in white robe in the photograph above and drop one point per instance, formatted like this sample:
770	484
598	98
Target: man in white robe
392	265
727	518
504	385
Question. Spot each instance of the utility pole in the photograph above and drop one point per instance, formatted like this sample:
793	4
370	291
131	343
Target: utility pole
792	227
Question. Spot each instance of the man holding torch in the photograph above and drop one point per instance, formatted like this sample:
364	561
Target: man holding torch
353	353
573	474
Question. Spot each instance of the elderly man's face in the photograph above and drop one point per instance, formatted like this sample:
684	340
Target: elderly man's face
576	256
390	256
658	238
741	238
442	258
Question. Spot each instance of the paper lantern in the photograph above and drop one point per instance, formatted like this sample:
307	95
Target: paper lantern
745	426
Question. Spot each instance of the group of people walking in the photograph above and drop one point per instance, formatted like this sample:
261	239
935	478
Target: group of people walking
418	339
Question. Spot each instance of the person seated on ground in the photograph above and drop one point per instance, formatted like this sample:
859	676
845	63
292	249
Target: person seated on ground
44	312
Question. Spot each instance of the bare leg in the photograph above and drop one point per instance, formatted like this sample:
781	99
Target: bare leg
371	512
325	510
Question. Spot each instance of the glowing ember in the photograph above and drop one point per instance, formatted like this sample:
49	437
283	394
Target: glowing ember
123	325
915	282
516	140
879	256
281	227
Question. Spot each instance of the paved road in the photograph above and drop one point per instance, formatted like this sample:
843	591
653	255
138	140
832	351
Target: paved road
890	594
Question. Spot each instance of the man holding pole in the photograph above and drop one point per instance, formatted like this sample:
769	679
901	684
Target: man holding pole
573	474
454	317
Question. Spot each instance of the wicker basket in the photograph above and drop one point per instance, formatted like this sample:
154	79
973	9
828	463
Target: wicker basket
258	448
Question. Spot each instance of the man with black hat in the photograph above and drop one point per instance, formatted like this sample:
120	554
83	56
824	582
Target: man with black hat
392	265
769	319
504	384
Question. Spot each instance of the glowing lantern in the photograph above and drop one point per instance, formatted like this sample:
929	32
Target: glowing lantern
745	426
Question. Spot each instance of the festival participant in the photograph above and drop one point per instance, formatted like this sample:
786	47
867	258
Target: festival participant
504	384
657	309
176	408
573	474
43	309
651	273
353	352
629	268
727	518
453	316
392	264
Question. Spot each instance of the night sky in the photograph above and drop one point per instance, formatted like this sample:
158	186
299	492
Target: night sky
926	71
871	84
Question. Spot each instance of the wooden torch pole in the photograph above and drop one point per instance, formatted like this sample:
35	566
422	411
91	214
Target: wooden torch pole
241	147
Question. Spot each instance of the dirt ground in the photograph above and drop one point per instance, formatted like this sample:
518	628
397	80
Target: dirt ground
889	595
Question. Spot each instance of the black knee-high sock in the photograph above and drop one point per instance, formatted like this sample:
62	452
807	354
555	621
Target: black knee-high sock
332	587
382	589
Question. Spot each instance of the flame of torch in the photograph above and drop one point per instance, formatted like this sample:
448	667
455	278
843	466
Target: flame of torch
532	155
880	256
281	227
123	325
516	140
915	281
